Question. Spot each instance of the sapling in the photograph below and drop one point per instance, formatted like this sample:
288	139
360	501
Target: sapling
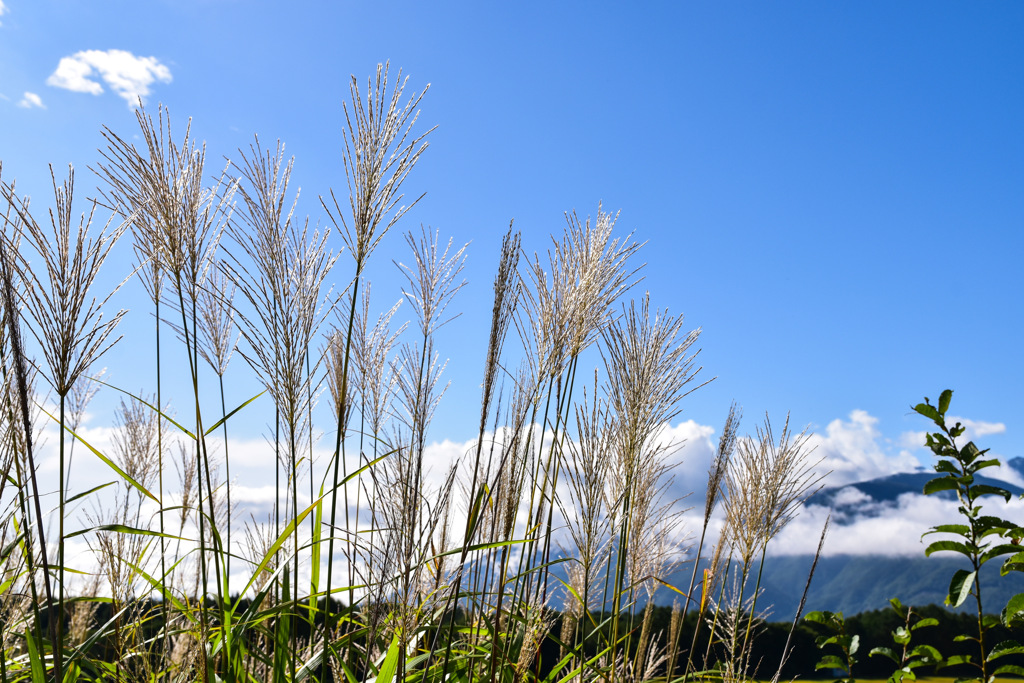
979	538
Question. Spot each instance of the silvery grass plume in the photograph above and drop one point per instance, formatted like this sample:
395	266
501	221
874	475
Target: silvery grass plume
507	292
649	369
218	337
379	153
371	354
178	221
765	484
375	381
282	283
65	317
431	285
282	280
567	302
586	471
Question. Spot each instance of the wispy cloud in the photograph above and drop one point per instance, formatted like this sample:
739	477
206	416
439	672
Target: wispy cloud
31	100
3	10
128	75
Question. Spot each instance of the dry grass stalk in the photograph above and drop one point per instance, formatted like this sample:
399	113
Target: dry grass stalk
178	221
380	152
68	319
282	285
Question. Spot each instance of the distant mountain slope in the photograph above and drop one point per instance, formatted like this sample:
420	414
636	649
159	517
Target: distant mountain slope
857	583
876	497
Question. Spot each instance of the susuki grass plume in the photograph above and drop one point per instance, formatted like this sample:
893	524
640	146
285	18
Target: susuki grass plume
64	315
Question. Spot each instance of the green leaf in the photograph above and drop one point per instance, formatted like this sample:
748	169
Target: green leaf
954	661
940	484
110	463
985	490
969	453
885	652
924	623
148	405
1007	647
38	670
224	419
959	529
1013	613
929	411
926	652
123	529
389	667
950	546
998	551
960	587
83	494
1013	564
830	662
901	636
1009	669
944	399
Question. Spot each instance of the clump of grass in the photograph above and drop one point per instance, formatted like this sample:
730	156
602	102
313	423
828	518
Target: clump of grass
449	574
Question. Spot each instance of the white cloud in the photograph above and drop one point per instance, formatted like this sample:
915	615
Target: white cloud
126	74
853	451
30	100
896	532
3	10
976	428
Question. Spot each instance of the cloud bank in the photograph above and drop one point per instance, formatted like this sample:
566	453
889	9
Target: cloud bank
128	75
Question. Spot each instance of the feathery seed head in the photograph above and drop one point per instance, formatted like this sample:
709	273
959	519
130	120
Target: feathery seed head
379	153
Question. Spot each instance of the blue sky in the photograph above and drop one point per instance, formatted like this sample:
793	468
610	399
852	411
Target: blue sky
834	192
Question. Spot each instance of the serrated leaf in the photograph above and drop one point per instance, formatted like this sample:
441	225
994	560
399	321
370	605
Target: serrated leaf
1014	563
885	652
950	546
924	623
998	551
986	490
928	411
960	587
926	652
944	399
830	662
1007	647
1013	614
955	660
959	529
1009	669
940	484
